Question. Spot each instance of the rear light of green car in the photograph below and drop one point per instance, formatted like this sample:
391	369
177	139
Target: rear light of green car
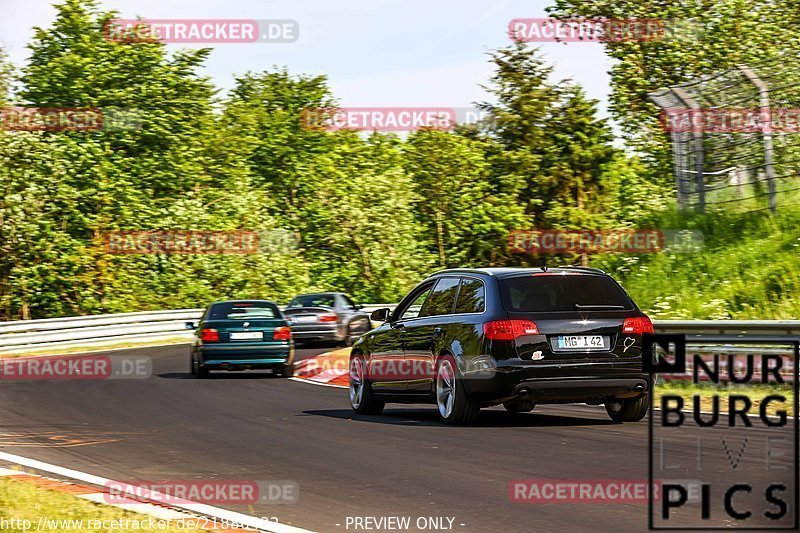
282	333
209	335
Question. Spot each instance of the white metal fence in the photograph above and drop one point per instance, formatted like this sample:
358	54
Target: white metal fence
99	330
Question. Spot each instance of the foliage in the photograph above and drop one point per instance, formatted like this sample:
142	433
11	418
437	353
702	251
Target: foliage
369	214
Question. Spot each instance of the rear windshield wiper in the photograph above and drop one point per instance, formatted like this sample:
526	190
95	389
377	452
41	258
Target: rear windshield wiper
579	306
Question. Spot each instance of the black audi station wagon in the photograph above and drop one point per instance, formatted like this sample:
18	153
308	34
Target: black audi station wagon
465	339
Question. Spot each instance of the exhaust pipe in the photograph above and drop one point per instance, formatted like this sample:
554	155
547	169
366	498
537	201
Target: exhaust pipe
638	387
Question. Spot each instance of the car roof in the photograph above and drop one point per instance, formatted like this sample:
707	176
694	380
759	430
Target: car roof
505	272
318	294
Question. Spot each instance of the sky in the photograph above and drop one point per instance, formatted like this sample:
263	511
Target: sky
422	53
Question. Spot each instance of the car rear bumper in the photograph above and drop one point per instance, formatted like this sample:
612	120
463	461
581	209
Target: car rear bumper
244	356
581	389
591	382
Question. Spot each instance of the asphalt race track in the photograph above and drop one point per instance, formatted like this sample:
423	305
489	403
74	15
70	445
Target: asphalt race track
253	426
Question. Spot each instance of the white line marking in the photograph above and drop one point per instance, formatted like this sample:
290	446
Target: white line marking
200	508
301	380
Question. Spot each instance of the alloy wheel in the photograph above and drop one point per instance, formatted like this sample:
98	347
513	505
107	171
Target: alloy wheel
445	388
356	381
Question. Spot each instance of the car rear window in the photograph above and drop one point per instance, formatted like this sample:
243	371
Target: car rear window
471	296
314	300
243	310
555	292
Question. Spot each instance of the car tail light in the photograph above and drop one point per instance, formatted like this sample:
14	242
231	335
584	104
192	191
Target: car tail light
637	325
282	333
331	317
508	330
209	335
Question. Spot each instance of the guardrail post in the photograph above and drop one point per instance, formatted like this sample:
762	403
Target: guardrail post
699	164
766	132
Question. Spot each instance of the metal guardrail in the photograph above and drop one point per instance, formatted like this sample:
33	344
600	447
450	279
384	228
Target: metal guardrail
729	327
98	330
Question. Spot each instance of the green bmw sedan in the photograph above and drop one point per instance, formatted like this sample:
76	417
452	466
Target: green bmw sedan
242	335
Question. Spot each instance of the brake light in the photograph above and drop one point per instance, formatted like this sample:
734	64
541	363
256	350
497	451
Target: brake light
638	325
282	333
508	330
209	335
329	318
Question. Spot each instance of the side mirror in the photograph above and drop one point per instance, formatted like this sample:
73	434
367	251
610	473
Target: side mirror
191	325
358	306
380	315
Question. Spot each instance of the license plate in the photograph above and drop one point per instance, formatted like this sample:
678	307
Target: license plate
305	319
246	335
581	342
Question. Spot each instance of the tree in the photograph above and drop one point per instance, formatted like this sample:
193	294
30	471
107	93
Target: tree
573	166
701	37
463	216
519	121
360	232
265	114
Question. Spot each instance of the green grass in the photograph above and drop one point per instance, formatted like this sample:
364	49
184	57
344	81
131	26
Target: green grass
748	268
21	500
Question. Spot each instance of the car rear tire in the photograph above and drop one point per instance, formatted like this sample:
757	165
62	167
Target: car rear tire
286	371
198	371
519	406
348	338
362	399
629	409
454	405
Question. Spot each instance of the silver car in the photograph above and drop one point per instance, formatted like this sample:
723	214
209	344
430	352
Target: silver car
326	317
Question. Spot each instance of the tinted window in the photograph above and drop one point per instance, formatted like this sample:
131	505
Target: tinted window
412	311
313	300
242	310
470	296
442	298
562	293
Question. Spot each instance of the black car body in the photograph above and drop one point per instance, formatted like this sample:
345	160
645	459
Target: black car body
330	317
466	339
242	335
